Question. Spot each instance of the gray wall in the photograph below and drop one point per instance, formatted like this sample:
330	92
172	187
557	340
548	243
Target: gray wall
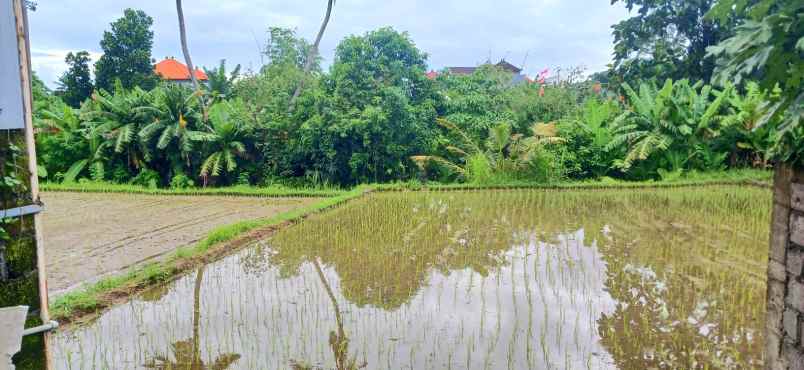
785	326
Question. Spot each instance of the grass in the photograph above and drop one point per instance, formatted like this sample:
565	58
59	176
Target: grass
238	190
101	294
731	177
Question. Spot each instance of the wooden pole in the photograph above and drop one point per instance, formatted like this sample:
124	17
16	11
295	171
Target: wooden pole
23	47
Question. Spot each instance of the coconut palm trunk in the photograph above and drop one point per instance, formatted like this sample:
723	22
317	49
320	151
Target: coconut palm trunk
185	50
313	54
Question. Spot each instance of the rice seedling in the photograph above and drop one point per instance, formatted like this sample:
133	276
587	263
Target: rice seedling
520	279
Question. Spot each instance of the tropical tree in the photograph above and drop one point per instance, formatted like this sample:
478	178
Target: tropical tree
60	138
75	85
588	136
184	48
503	154
663	127
220	82
92	159
768	47
118	118
175	124
127	53
225	140
667	39
747	141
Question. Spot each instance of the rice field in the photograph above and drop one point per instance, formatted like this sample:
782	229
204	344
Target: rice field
513	279
91	235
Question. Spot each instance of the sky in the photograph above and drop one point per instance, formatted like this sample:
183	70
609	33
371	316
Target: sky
534	34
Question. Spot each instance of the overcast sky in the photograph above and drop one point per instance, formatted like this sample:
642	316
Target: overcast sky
452	32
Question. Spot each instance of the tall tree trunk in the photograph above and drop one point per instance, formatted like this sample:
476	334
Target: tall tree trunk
308	64
184	48
199	278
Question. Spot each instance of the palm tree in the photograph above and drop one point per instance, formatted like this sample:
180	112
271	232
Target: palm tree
313	54
225	140
186	50
187	353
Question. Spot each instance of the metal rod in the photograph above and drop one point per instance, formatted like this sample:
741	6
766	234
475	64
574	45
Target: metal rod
21	211
41	328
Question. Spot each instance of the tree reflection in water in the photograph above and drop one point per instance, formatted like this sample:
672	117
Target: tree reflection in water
187	353
338	341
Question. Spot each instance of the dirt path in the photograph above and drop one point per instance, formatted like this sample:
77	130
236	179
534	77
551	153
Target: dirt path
88	235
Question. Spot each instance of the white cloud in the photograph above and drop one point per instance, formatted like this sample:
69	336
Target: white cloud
452	32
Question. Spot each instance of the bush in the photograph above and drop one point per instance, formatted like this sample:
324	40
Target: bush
181	181
147	178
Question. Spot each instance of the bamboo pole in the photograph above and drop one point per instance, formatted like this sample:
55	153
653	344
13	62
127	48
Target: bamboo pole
23	48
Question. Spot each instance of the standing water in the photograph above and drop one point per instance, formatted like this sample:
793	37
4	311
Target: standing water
522	279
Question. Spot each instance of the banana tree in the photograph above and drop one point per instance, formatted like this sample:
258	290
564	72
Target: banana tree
93	158
225	141
118	119
175	118
502	153
661	123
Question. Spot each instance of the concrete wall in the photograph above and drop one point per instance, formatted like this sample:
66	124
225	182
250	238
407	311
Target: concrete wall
785	326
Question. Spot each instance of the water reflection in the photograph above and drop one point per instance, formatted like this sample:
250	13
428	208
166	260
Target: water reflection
187	353
476	280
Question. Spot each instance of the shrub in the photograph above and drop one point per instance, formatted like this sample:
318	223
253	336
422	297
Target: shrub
181	181
147	178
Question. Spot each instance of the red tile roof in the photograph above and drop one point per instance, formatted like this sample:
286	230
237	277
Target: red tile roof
432	75
172	69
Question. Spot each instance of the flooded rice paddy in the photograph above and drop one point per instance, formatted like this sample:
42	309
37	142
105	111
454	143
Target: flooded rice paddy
520	279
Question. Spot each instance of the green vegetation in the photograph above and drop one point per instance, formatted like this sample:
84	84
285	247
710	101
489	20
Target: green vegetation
127	53
768	46
238	190
374	117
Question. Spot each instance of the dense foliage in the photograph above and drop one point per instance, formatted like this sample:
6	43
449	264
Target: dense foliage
127	52
768	47
667	39
374	116
75	85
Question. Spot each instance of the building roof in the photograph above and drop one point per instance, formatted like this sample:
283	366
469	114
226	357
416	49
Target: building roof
173	70
461	70
508	66
431	75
